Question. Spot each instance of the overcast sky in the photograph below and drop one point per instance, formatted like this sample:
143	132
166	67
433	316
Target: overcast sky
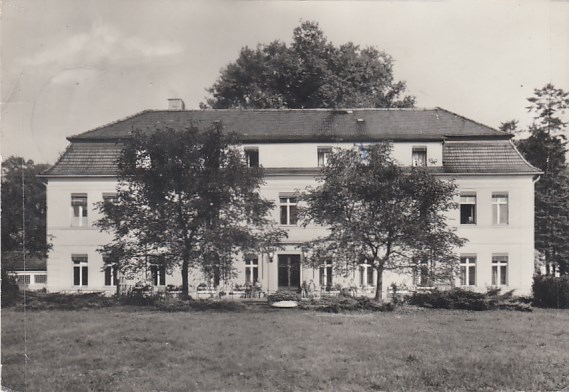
70	66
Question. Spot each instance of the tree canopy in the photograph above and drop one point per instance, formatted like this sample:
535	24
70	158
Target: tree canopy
546	149
185	199
381	214
23	209
309	73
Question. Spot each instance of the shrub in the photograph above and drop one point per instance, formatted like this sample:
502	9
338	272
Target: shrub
283	296
58	301
551	291
343	303
467	300
10	289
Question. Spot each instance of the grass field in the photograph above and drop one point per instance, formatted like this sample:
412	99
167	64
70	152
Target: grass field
127	349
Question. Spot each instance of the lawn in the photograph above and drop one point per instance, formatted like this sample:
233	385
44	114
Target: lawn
129	349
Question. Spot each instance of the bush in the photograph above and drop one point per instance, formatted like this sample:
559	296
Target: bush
551	291
283	296
57	301
10	289
343	303
467	300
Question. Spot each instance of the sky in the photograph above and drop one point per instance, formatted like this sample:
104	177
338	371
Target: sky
69	66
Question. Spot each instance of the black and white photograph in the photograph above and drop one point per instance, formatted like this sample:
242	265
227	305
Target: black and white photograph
284	195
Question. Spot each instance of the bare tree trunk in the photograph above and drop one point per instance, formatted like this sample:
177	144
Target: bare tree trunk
379	284
185	280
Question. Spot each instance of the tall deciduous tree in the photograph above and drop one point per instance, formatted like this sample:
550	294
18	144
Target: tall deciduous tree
310	73
383	215
23	209
546	149
185	199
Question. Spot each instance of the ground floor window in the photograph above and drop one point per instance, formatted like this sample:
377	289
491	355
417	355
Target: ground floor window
251	269
499	270
24	279
422	275
158	273
111	275
468	270
326	274
366	275
80	270
40	279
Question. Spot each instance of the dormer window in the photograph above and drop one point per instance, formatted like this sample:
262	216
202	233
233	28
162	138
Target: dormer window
419	156
323	154
252	156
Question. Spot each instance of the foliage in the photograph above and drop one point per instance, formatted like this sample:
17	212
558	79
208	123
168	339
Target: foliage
37	300
343	303
383	215
10	289
310	73
283	296
185	199
22	191
457	298
551	291
546	149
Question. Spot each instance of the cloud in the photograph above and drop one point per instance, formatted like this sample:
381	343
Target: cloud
103	44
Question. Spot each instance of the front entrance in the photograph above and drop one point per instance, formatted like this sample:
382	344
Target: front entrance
289	272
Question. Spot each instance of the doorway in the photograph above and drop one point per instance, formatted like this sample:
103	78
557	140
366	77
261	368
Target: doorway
289	272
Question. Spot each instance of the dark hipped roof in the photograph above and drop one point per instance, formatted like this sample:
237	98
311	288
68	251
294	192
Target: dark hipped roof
484	157
282	125
471	148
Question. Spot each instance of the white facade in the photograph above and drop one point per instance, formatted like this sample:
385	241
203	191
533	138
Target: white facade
501	252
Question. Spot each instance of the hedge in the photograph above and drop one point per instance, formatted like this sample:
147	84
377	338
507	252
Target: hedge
551	292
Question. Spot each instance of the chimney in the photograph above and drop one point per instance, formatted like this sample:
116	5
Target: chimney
176	104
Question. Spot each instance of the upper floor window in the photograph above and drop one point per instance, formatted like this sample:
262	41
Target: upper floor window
251	269
467	209
499	270
40	279
109	197
323	154
24	279
289	212
252	156
500	208
80	270
419	156
79	206
468	270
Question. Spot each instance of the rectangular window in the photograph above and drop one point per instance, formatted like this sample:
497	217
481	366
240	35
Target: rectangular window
80	270
111	275
289	212
326	274
40	279
499	270
158	275
24	279
467	209
251	269
366	275
79	206
109	198
468	270
419	156
252	157
323	153
500	208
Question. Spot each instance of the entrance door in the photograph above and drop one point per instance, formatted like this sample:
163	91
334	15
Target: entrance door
289	272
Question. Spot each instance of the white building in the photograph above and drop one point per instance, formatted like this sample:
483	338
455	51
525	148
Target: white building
496	191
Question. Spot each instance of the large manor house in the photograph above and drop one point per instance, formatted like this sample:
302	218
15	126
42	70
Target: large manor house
495	194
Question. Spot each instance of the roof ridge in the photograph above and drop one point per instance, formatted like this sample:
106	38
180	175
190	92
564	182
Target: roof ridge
294	110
